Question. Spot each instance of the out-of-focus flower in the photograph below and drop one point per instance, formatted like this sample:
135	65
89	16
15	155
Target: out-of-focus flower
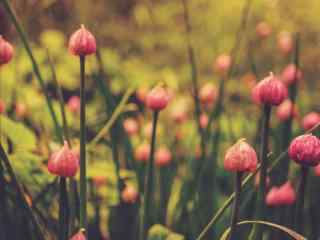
285	42
204	120
223	63
2	106
286	110
6	51
208	94
20	110
131	126
310	120
142	152
129	194
290	74
263	30
79	236
163	157
281	196
74	104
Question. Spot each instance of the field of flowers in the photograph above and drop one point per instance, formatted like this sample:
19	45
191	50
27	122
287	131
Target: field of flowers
159	120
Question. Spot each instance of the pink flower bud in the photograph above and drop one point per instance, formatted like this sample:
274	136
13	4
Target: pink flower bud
222	63
79	236
285	42
82	42
64	163
131	126
305	150
291	74
99	181
20	110
6	51
240	157
157	99
141	94
310	120
286	110
2	106
142	152
317	170
208	94
271	91
263	30
163	157
204	120
74	104
129	195
284	195
255	94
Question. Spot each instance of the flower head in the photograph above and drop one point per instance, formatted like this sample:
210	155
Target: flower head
79	236
223	63
163	157
131	126
240	157
285	42
6	51
263	29
129	194
157	99
2	106
271	91
281	196
208	94
142	152
291	74
310	120
64	163
74	104
82	42
286	110
305	150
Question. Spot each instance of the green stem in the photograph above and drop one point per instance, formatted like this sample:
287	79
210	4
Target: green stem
236	206
148	184
83	178
34	65
63	211
258	231
300	201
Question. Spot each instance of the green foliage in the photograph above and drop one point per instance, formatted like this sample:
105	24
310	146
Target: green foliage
159	232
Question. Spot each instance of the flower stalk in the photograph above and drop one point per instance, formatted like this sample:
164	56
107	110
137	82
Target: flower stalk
300	201
236	206
83	178
148	184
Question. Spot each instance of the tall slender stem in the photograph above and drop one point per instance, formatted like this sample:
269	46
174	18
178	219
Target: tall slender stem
300	201
63	210
83	180
148	184
263	172
236	206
